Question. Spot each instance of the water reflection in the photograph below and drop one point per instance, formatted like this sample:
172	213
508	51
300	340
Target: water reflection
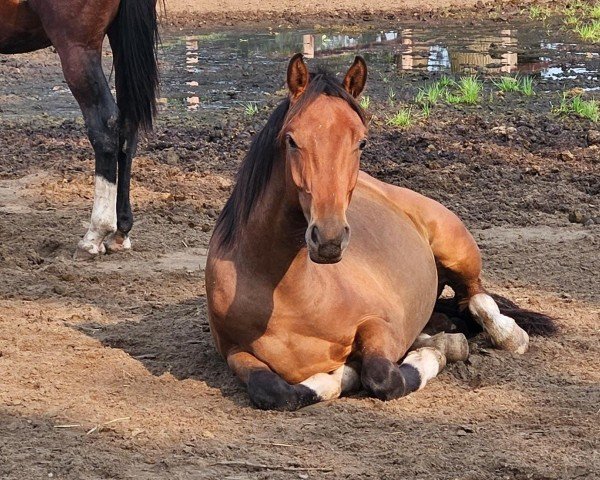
464	50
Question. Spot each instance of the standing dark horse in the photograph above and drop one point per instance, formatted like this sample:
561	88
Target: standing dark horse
301	311
76	28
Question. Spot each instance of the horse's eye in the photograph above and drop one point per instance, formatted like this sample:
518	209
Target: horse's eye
291	141
362	144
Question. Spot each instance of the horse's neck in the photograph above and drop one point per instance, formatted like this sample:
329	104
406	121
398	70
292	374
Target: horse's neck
275	230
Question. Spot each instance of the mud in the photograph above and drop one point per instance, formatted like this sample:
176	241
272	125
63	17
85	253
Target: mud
107	368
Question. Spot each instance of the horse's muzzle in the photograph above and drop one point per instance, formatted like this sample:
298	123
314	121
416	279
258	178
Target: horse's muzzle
327	245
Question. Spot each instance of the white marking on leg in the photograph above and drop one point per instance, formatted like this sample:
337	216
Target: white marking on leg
428	361
454	346
350	378
104	216
328	386
503	330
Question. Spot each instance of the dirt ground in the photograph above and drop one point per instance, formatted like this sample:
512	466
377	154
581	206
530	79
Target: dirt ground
107	368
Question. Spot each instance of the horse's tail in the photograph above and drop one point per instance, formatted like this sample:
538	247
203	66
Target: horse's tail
134	40
534	323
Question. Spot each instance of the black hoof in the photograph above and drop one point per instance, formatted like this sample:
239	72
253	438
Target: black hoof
268	391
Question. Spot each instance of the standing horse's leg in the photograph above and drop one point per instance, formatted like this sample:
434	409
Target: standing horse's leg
269	391
381	375
83	72
119	240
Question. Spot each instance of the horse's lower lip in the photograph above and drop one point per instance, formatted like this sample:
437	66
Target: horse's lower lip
324	260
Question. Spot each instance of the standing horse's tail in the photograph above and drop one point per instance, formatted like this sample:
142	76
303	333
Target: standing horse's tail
134	39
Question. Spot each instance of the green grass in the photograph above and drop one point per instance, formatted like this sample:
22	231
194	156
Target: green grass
402	119
469	91
431	94
522	85
507	84
391	96
539	12
526	86
365	102
594	12
426	110
250	109
579	107
590	32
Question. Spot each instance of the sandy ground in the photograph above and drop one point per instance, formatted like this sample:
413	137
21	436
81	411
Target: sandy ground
107	368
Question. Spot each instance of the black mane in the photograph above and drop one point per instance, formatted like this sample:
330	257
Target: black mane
255	172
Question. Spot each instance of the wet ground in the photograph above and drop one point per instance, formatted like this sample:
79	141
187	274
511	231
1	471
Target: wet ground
122	343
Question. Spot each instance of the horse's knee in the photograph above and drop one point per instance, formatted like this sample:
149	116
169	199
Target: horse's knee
383	378
268	391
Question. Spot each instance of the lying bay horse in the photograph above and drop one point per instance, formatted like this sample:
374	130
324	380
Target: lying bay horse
319	277
76	28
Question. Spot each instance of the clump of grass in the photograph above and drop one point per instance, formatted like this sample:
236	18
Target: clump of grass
522	85
446	82
579	107
426	110
526	86
507	84
537	12
402	119
365	102
250	109
469	91
431	94
590	32
594	12
391	96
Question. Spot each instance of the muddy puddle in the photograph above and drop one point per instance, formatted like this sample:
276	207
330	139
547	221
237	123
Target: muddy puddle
219	70
203	71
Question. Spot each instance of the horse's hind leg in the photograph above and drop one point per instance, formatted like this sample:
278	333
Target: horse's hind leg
119	240
459	264
82	69
454	346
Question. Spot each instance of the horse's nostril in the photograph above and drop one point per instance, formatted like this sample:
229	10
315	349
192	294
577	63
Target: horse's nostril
314	235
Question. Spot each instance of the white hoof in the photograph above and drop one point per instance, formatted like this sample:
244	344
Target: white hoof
116	242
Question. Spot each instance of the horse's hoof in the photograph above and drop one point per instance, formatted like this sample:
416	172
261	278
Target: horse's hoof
117	242
88	251
516	342
454	346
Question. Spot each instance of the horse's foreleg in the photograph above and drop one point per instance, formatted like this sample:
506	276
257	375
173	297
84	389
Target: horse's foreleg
268	391
381	375
83	72
119	240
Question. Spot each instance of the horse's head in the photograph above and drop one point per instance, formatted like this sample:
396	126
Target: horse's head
323	138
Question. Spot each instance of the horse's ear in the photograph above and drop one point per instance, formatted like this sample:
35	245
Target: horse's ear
355	79
297	75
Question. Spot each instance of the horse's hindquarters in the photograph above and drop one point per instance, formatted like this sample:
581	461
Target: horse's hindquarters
21	30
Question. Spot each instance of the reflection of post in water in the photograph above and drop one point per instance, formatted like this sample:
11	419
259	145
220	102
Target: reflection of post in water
191	62
480	54
191	53
411	55
308	46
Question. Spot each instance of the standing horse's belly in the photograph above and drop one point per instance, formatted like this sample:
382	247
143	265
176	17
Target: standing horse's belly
20	28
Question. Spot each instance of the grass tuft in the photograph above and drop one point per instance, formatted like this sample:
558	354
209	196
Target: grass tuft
469	89
250	109
579	107
365	102
402	119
